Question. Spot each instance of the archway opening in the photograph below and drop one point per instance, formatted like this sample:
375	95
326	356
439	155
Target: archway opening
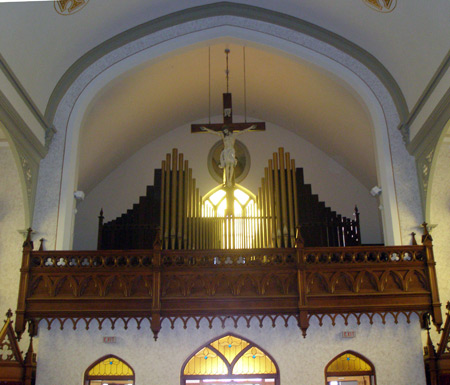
230	360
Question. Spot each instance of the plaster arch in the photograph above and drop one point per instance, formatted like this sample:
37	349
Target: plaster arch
391	162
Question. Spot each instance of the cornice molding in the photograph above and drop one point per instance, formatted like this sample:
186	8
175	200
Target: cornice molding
406	124
229	9
48	128
424	146
27	150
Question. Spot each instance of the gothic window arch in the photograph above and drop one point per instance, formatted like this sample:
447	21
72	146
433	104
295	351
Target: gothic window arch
110	370
350	368
230	359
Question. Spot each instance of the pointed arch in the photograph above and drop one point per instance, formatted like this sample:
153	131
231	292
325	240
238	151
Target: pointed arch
349	365
230	357
351	64
107	368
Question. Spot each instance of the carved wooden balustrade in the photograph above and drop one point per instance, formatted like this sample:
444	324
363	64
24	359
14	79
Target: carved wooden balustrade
157	284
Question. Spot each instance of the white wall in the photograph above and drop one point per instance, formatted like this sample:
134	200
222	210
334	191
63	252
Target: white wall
394	349
120	189
11	219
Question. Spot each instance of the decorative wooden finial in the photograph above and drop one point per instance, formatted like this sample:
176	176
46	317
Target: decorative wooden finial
299	241
430	350
413	240
157	241
28	242
41	246
426	234
9	314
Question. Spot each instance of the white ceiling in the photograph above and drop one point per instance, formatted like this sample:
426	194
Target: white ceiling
410	42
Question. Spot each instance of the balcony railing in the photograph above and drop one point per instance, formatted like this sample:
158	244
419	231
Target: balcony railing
158	284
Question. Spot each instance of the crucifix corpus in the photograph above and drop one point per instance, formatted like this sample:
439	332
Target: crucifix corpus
228	131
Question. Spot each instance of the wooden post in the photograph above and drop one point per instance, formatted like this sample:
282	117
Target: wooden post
156	299
24	285
100	230
427	241
303	317
29	364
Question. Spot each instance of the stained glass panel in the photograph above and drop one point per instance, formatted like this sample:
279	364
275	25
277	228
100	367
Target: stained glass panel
349	363
205	361
254	361
111	366
230	346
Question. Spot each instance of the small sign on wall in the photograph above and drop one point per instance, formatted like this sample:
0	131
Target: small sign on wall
109	340
348	334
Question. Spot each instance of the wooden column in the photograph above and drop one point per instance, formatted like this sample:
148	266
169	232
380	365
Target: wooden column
23	285
303	316
156	298
427	241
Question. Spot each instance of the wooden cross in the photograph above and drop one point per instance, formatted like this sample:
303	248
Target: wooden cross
228	120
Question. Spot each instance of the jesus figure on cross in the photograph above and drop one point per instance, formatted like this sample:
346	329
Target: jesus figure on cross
228	159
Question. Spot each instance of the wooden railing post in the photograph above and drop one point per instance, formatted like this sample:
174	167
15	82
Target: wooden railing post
29	364
303	320
427	241
431	360
156	300
23	285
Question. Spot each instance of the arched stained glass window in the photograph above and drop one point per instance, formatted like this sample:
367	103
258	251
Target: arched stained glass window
109	370
230	359
350	368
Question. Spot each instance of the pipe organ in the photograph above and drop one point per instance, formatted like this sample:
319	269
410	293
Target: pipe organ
236	219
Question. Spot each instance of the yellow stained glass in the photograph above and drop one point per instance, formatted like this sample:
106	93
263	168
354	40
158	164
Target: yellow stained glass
217	196
212	359
241	196
111	366
205	361
230	346
254	361
348	363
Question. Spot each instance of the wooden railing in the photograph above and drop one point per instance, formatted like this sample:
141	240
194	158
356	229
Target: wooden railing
168	284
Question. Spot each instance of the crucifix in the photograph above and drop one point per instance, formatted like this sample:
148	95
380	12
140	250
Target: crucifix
227	131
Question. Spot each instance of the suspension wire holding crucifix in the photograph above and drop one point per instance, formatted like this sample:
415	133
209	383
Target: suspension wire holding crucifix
228	131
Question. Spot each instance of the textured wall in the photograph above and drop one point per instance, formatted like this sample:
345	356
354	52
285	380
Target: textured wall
394	349
440	216
11	220
333	183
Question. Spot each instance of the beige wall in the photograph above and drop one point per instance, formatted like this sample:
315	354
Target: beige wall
394	349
